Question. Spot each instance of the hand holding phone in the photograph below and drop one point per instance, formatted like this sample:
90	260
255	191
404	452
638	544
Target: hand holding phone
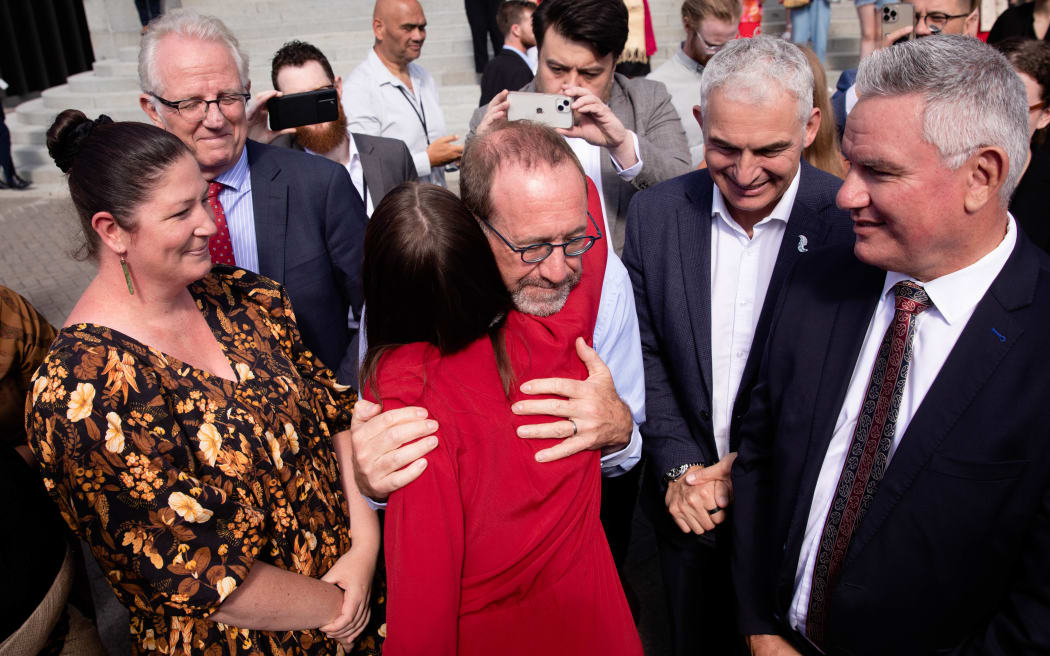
307	108
553	109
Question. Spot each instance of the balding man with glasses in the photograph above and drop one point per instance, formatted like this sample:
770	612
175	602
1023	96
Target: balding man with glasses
282	213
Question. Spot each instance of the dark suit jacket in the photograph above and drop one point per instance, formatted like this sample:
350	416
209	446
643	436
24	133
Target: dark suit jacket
507	70
386	162
644	107
310	228
953	555
668	255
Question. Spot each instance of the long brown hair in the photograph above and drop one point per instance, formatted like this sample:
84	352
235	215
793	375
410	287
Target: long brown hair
430	276
825	152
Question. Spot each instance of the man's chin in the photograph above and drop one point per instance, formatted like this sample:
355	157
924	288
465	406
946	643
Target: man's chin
539	306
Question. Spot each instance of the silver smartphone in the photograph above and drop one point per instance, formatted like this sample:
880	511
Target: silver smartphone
551	109
896	16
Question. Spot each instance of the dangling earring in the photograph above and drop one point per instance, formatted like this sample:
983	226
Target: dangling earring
127	274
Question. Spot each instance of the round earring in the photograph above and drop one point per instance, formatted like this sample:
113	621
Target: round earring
127	274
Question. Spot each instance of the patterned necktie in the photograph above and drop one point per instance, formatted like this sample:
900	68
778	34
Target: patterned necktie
220	246
868	453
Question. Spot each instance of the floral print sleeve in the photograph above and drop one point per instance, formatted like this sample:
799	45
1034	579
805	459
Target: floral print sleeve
120	471
336	400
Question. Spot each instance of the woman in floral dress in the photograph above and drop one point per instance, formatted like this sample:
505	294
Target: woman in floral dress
184	430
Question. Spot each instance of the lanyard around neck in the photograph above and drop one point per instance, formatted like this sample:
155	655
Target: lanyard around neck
421	113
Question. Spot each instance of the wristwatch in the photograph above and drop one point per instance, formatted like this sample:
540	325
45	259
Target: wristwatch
675	473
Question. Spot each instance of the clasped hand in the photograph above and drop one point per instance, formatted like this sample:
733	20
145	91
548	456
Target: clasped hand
698	500
353	574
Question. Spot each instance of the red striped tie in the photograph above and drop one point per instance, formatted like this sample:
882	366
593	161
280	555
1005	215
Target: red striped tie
220	246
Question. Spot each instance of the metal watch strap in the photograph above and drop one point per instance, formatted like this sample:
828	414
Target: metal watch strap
675	473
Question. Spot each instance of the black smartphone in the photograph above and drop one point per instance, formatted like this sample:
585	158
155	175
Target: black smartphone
306	108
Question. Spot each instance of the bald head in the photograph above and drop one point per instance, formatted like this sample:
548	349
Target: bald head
400	28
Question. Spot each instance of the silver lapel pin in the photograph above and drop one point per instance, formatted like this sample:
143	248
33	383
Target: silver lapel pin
802	242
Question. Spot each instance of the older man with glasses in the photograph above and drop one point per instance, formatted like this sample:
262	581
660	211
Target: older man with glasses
281	213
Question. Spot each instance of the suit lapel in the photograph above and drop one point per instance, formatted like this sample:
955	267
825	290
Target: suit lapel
270	205
372	168
694	243
844	335
807	228
972	360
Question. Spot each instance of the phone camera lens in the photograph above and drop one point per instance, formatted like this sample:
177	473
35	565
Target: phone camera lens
893	14
539	110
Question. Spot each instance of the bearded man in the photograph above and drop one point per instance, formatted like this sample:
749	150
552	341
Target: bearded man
376	164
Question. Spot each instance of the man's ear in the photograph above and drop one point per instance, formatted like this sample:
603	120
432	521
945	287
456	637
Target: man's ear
698	115
377	29
146	103
812	127
972	23
986	173
339	87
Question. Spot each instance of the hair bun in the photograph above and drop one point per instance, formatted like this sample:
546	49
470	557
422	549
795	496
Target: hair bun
67	134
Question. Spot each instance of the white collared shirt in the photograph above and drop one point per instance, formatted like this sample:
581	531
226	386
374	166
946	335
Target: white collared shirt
357	173
236	200
590	157
376	102
681	75
741	268
954	296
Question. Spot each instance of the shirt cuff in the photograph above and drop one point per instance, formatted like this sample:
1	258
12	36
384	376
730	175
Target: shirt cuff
375	505
622	461
422	162
629	174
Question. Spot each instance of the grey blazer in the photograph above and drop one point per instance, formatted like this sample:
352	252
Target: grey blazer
386	162
644	107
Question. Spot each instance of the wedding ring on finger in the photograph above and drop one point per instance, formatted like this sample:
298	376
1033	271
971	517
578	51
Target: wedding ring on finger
575	428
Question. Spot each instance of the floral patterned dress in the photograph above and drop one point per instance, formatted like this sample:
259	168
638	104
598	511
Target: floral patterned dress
180	480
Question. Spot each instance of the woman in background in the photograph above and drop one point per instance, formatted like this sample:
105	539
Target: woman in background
825	152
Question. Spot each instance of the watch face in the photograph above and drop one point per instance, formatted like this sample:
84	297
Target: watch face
676	472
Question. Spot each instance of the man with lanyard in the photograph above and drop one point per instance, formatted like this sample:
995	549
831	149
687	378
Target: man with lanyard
391	96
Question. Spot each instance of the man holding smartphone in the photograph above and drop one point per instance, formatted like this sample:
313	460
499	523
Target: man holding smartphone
376	164
627	133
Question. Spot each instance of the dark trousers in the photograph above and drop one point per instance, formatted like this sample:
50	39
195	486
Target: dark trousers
619	497
148	10
481	14
700	597
7	165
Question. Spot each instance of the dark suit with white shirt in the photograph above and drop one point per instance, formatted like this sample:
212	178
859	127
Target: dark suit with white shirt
953	554
668	255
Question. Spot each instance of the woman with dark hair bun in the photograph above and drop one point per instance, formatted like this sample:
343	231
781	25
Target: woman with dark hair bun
488	552
183	429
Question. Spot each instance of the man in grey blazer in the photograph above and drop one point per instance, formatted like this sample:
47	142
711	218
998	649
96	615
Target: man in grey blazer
708	253
289	216
628	135
376	164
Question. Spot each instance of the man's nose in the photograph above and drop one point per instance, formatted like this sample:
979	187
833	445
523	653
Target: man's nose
213	116
556	267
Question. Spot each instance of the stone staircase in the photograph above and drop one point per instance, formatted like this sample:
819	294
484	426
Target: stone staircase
342	30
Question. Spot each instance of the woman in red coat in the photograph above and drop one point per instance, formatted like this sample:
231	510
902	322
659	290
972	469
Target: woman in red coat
488	552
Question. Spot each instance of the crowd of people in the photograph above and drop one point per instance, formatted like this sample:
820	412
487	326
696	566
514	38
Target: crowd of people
313	402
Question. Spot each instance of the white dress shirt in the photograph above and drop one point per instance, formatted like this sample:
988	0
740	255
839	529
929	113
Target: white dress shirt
681	75
937	329
590	157
236	200
741	268
357	174
378	103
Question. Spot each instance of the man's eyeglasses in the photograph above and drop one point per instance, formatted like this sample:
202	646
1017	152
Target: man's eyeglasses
936	20
1036	107
534	253
709	48
195	109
